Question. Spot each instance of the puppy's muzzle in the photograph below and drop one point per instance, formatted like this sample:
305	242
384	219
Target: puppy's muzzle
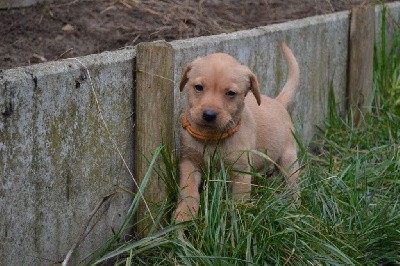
209	115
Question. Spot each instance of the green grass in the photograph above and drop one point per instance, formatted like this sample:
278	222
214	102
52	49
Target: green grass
350	210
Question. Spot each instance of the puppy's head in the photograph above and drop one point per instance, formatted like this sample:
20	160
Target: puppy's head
216	86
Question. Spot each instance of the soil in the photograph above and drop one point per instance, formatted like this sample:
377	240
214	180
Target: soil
71	28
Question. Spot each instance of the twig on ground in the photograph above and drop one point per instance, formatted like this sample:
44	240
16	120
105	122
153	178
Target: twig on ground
135	39
69	3
64	53
124	3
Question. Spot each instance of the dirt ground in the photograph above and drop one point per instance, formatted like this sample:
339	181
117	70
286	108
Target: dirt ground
70	28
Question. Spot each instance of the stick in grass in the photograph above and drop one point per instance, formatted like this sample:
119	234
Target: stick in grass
85	230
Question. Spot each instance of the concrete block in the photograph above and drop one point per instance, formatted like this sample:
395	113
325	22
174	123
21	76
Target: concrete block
4	4
57	160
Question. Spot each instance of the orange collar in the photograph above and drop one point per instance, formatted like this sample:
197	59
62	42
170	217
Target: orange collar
204	136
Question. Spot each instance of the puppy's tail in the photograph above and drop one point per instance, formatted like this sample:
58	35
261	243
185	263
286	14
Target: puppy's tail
287	93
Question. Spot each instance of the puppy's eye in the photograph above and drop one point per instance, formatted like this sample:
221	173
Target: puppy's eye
230	93
198	88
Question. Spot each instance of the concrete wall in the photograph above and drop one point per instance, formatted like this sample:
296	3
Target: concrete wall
18	3
56	158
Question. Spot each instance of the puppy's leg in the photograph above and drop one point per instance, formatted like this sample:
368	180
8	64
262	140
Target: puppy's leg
189	198
289	163
241	187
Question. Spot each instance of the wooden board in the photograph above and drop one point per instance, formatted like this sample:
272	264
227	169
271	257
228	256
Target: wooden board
154	120
361	53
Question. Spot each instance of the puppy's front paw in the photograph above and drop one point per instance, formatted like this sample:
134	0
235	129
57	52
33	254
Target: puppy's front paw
186	210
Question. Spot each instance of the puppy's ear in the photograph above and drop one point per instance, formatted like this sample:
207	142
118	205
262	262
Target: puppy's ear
254	87
184	78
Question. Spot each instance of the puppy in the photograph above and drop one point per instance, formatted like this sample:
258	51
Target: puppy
226	111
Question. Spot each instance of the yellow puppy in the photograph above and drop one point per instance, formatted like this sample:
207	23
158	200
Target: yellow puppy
225	110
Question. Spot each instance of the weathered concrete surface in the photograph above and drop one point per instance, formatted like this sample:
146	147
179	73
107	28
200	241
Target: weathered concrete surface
18	3
57	160
319	44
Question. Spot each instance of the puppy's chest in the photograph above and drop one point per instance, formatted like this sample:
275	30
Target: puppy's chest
203	151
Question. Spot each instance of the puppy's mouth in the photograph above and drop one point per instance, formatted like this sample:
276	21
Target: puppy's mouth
208	130
212	124
207	125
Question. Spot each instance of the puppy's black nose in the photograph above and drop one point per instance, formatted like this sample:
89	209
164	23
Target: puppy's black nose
209	115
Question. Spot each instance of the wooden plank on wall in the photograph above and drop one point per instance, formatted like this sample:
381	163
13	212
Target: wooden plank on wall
361	52
154	121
